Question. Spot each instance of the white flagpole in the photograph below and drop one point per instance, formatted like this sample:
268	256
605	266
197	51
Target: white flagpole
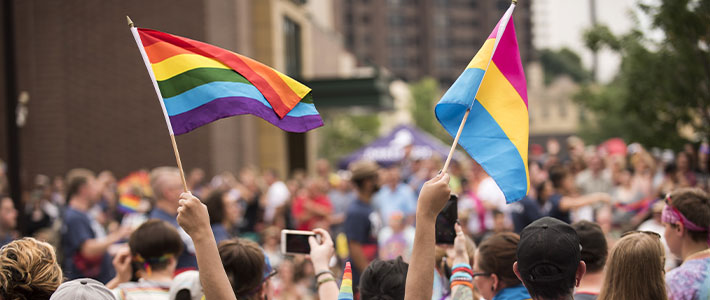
499	34
137	37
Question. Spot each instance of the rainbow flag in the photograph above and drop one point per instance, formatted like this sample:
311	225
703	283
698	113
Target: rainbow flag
496	131
128	203
346	286
198	83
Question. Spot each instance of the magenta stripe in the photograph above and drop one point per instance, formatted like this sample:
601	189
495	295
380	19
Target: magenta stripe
494	33
507	59
232	106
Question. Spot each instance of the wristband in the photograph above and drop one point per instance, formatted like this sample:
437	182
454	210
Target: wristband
325	272
455	283
462	275
464	265
463	270
322	281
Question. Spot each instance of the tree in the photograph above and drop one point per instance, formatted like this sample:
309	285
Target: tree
562	62
661	86
346	133
425	95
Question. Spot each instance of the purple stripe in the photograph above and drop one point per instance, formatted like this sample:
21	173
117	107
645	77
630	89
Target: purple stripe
232	106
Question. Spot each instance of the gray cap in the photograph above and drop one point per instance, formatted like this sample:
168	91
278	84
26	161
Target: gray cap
82	289
188	280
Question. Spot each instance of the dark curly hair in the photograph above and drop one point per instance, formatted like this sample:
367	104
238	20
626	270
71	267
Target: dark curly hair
384	280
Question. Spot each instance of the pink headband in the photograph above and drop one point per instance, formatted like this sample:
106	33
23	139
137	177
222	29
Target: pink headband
671	215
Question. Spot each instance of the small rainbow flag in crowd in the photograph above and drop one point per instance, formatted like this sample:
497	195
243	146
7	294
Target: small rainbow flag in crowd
493	88
136	183
198	83
346	286
128	203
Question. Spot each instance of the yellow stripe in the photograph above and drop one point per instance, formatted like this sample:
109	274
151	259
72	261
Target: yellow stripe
177	64
483	56
505	105
298	88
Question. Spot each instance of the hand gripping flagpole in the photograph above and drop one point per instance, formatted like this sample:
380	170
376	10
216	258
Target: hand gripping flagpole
499	34
134	31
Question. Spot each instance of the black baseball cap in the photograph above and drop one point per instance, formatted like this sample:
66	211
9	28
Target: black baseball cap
549	251
594	245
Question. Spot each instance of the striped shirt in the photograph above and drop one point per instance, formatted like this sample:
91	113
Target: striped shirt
142	290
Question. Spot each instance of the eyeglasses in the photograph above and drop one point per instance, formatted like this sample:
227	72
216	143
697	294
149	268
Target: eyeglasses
658	236
481	274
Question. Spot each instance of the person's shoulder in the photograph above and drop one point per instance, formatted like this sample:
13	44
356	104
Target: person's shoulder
72	216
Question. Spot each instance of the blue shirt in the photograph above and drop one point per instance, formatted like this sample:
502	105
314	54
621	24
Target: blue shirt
400	199
76	230
220	233
525	212
555	210
187	259
518	292
362	225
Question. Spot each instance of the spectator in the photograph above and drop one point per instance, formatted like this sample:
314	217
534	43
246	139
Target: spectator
321	253
311	208
686	217
193	216
493	272
250	201
395	196
82	289
154	249
592	180
565	198
167	186
655	224
384	279
635	269
84	241
341	196
396	239
248	270
594	253
529	209
277	195
361	222
224	213
549	259
463	257
28	270
8	220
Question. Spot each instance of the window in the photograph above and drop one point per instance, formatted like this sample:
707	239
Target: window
292	47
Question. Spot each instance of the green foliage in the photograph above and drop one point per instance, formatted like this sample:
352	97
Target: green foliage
346	133
562	62
661	86
425	95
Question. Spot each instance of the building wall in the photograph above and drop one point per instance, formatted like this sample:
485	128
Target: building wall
429	37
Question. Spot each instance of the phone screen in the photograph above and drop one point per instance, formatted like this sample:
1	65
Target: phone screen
445	221
298	243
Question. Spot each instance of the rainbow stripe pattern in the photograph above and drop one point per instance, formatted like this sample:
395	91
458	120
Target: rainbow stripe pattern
496	131
128	203
200	83
346	286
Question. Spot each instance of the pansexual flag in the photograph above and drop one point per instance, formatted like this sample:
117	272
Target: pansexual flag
496	131
198	83
346	286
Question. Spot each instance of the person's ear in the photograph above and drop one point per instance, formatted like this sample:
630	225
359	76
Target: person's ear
517	273
494	287
680	228
581	269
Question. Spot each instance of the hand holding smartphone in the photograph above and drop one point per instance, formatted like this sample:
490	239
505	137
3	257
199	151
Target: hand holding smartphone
446	221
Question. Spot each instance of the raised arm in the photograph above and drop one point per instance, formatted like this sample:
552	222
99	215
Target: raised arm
320	257
194	219
420	276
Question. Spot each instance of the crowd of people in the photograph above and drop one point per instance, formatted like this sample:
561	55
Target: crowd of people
599	222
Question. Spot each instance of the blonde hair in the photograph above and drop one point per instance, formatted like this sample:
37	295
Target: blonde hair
635	269
29	270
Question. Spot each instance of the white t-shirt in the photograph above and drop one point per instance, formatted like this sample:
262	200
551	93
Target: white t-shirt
276	195
489	193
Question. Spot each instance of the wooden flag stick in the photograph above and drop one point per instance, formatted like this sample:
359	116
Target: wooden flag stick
456	141
179	163
134	31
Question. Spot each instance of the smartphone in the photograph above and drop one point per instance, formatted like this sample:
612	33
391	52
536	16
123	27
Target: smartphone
296	241
445	221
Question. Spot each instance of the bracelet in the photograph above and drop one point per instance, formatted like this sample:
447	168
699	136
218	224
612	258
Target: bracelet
464	265
455	283
463	270
325	272
322	281
462	275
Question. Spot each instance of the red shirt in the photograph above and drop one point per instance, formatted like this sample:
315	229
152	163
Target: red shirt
308	219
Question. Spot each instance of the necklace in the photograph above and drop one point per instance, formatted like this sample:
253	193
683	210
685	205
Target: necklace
698	254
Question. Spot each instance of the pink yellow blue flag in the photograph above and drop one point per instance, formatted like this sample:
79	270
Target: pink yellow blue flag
496	132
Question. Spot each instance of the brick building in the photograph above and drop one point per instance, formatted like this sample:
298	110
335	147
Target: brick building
92	103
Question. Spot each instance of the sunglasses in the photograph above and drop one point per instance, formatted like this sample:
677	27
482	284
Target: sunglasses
658	236
481	274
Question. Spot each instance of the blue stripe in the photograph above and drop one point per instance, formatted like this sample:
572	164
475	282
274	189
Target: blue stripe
205	93
464	88
486	142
